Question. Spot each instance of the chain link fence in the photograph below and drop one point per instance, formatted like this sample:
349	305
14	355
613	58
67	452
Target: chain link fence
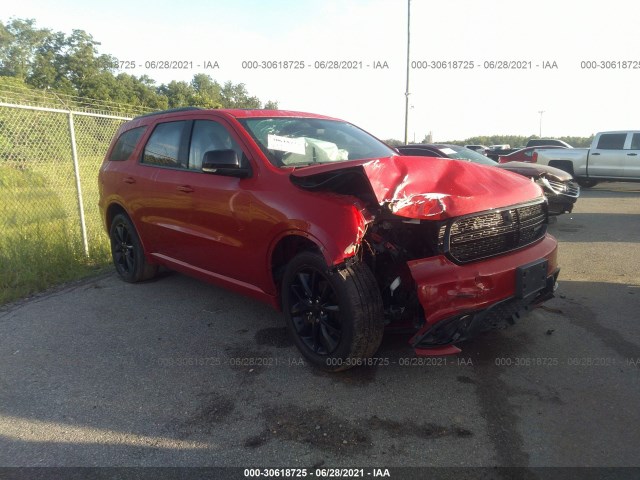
49	160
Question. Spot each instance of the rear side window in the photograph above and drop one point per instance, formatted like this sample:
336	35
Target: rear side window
163	146
126	144
635	141
612	141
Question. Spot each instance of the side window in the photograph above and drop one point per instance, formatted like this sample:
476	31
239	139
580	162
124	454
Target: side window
635	141
126	144
209	135
612	141
164	145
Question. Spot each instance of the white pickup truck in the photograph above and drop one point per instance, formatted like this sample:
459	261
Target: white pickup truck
613	156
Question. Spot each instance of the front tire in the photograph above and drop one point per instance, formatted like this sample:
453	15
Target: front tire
335	317
127	252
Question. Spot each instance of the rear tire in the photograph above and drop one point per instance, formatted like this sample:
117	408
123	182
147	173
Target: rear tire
335	317
127	252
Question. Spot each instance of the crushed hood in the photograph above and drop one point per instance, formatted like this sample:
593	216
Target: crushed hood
533	170
420	187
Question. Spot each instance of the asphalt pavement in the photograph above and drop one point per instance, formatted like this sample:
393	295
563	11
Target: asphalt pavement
175	372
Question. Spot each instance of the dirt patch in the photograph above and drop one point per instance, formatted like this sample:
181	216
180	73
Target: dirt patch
494	394
424	431
277	337
319	429
249	360
256	441
215	408
465	379
314	427
354	377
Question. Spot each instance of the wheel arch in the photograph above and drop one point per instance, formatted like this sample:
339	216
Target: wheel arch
565	165
287	247
116	208
112	210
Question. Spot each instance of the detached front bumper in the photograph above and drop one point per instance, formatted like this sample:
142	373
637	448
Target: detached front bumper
559	204
460	301
561	195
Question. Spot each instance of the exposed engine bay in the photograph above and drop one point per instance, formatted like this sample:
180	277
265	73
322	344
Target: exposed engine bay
386	248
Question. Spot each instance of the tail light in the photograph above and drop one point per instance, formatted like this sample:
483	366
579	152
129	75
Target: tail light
534	157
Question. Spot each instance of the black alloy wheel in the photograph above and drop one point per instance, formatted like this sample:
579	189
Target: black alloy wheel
334	315
127	252
315	311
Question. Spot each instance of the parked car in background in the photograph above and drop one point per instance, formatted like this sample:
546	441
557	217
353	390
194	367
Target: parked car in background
322	220
545	142
478	148
613	156
522	155
495	153
559	187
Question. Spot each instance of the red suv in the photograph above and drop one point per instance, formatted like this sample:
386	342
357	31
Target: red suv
322	220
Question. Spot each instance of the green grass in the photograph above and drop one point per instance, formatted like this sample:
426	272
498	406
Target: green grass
41	241
40	234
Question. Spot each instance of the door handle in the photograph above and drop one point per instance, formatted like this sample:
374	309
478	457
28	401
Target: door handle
632	154
595	153
185	188
129	180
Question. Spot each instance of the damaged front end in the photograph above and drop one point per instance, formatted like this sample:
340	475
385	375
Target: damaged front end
562	195
454	278
561	190
455	248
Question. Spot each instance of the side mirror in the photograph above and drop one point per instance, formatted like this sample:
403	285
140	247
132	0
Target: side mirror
224	162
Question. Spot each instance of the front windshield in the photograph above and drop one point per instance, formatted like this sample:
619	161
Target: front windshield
461	153
297	142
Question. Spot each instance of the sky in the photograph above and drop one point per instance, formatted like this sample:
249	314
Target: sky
451	103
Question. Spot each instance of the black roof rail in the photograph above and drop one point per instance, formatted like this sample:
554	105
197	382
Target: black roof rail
171	110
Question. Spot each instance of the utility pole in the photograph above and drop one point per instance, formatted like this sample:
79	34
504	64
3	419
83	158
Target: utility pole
406	93
541	112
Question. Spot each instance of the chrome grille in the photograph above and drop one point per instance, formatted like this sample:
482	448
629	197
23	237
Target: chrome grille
489	234
570	189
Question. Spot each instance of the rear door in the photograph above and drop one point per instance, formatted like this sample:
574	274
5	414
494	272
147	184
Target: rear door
609	157
163	209
632	162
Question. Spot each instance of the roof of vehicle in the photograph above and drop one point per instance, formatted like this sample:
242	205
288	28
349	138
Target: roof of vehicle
620	131
539	142
240	113
538	147
426	145
432	147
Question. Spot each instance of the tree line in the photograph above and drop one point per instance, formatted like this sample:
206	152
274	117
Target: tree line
71	64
